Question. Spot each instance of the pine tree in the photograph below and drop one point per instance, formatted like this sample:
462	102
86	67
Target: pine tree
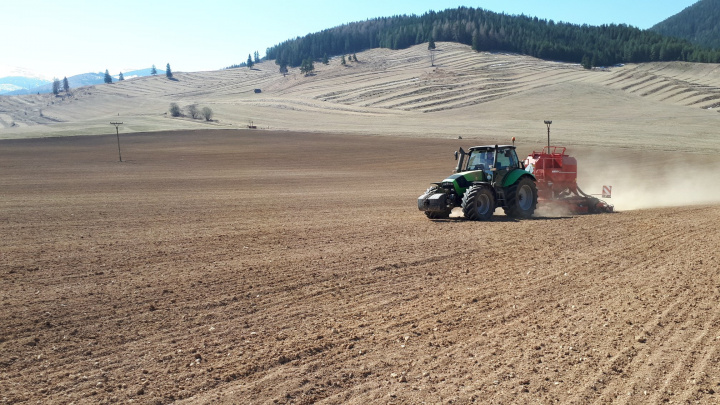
307	66
325	60
354	57
121	77
283	65
153	71
66	85
56	86
342	61
586	62
249	62
108	78
168	72
257	56
431	43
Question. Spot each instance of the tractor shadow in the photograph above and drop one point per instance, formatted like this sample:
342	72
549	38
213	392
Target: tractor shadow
504	219
457	216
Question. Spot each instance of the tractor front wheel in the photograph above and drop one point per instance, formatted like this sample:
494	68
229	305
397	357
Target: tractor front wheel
478	203
521	198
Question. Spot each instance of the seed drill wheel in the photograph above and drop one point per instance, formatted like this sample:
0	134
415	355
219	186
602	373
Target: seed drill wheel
521	199
435	214
478	203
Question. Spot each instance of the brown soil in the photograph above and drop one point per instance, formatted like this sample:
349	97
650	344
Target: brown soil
261	267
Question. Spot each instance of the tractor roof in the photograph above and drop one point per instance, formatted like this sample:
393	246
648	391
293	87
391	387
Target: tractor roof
491	147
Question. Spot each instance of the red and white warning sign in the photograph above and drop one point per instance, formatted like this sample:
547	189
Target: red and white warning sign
607	191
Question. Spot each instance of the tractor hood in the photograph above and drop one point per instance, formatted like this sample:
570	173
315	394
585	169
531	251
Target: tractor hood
461	181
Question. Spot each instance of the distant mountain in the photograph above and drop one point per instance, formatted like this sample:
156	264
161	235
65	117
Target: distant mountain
139	73
699	24
10	70
85	79
15	83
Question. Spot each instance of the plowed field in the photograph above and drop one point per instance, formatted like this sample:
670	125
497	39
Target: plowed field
241	267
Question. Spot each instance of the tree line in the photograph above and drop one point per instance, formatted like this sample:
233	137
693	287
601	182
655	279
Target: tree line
107	78
484	30
153	71
248	63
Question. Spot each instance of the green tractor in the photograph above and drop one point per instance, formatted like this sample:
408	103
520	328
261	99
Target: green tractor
486	177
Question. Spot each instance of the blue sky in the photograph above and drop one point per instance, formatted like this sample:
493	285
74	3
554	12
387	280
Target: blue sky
64	38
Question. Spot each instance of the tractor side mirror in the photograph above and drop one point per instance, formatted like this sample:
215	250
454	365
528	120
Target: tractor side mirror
460	157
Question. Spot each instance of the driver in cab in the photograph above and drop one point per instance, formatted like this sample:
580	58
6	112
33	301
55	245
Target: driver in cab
480	161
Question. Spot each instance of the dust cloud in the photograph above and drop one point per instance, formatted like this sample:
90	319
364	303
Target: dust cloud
649	181
552	210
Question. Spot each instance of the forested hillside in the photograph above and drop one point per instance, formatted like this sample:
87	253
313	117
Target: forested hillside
699	24
489	31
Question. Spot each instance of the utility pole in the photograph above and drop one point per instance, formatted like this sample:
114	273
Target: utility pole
117	132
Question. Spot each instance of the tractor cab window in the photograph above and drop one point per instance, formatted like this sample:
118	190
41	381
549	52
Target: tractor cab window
507	159
480	160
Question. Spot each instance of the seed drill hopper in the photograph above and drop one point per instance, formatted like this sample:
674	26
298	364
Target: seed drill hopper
556	176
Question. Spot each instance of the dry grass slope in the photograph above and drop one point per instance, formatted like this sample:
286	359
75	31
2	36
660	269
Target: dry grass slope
398	93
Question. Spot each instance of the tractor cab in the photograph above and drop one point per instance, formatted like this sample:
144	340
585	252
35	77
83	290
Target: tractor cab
495	161
507	159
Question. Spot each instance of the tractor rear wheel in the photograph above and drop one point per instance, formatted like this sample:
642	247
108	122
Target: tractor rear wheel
521	199
435	214
478	203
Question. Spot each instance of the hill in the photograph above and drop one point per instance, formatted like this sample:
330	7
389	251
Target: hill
484	30
84	79
697	24
662	105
